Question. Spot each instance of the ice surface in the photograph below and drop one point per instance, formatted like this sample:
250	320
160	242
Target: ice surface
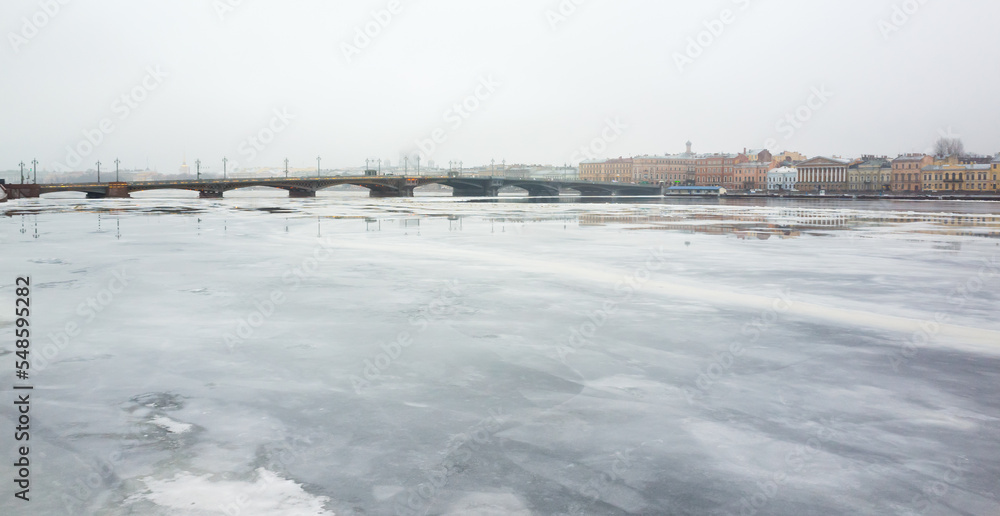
269	495
170	425
343	355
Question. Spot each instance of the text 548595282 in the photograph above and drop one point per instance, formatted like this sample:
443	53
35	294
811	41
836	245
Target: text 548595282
22	399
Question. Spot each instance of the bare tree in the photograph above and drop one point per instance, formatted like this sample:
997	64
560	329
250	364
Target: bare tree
949	147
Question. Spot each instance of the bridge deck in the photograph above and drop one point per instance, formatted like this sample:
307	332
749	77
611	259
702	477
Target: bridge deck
380	186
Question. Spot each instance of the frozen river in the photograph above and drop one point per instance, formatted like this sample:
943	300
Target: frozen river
258	355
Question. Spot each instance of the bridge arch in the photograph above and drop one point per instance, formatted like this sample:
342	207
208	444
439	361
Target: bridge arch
535	188
65	194
180	193
430	188
376	187
593	190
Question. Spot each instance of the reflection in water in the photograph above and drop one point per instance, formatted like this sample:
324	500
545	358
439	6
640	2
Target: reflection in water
823	203
791	223
743	218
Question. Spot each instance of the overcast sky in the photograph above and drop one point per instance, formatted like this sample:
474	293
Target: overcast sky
614	77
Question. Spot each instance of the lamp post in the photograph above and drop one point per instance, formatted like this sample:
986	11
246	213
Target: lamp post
224	162
286	168
117	162
406	165
34	169
380	167
98	171
21	164
197	164
418	164
319	171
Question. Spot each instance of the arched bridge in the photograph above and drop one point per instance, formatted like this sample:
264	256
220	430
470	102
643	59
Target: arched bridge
379	186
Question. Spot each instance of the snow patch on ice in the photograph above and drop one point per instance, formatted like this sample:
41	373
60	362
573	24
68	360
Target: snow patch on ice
170	425
270	495
488	504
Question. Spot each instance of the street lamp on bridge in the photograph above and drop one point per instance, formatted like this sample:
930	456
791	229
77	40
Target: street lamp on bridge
197	164
406	165
418	164
319	171
98	171
34	169
21	164
117	162
224	162
286	168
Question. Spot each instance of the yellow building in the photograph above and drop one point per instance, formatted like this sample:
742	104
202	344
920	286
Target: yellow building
789	156
591	170
651	169
607	171
994	172
951	175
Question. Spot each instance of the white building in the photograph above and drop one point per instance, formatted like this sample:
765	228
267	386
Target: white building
782	179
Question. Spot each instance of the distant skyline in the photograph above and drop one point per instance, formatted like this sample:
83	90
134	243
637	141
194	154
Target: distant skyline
549	82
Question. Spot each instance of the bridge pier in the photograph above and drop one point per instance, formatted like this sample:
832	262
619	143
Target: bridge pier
591	192
543	192
118	191
296	193
209	194
405	191
475	192
23	191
